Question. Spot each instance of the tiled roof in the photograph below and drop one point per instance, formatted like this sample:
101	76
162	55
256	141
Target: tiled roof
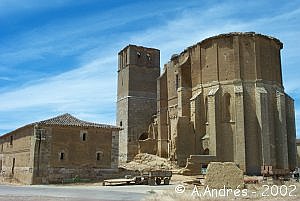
69	120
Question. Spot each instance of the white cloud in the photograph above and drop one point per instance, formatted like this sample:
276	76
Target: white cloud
6	78
78	87
90	90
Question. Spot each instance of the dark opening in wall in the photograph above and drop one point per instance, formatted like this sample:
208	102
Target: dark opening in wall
99	155
13	166
177	81
144	136
11	140
148	57
206	109
84	137
121	124
206	151
62	156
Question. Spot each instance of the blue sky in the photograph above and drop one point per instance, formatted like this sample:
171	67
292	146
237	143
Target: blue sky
60	56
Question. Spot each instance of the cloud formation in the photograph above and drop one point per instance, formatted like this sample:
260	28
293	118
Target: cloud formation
79	54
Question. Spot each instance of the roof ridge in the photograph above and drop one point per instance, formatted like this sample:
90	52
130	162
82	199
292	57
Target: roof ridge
67	119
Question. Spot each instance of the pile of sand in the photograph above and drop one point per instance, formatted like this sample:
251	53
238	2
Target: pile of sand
146	162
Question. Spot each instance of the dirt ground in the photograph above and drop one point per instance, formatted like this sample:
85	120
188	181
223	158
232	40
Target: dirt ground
195	190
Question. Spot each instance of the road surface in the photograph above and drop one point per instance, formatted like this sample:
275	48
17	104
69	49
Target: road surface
77	192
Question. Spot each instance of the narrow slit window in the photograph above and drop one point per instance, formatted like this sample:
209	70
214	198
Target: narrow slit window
62	156
11	140
177	81
83	135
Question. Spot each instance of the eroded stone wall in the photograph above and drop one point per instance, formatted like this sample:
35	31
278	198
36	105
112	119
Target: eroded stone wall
230	89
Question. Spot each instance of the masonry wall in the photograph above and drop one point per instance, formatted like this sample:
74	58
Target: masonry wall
229	87
136	99
69	152
17	155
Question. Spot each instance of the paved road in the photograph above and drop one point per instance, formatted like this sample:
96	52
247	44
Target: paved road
77	193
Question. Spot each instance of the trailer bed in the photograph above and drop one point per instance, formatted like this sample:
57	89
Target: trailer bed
117	181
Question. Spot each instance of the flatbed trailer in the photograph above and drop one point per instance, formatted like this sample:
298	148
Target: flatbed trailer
147	178
118	181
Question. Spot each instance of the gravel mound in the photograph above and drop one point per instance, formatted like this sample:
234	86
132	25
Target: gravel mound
147	162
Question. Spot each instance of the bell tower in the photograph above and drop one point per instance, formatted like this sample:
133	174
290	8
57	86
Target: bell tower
138	70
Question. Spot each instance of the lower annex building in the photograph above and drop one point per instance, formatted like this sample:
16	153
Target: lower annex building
59	148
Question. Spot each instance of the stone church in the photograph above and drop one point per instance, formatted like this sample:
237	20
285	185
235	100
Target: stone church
221	99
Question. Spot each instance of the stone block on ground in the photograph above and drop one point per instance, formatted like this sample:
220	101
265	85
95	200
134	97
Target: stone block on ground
224	174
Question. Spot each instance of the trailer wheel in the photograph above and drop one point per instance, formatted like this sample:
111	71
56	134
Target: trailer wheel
166	181
138	180
151	181
145	181
158	180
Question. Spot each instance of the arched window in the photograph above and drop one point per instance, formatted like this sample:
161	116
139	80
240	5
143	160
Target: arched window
148	57
206	151
226	107
99	155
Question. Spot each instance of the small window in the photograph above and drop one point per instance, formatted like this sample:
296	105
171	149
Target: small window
83	135
62	156
121	124
99	155
11	140
148	57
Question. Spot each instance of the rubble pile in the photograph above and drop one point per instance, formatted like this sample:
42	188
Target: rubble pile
147	162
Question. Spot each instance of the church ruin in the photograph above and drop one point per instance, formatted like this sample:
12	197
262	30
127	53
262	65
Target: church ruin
221	99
